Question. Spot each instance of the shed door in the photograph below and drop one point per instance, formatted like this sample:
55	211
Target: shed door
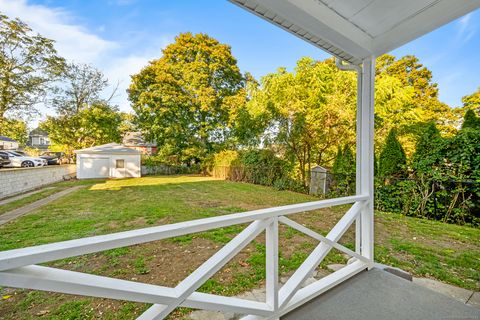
96	167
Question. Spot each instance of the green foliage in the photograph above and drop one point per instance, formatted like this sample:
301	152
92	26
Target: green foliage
14	129
406	98
97	124
344	172
188	99
83	118
254	166
471	120
463	153
446	181
428	152
226	158
392	161
338	163
463	163
263	167
399	195
305	112
28	65
375	164
127	124
472	101
158	164
344	161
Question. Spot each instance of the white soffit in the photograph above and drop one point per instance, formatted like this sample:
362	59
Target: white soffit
356	29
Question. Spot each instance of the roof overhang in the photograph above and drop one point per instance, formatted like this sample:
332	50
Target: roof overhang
353	30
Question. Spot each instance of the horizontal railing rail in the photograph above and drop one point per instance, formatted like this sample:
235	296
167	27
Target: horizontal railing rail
18	267
59	250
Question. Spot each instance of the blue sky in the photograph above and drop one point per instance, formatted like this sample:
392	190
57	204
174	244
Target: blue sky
121	36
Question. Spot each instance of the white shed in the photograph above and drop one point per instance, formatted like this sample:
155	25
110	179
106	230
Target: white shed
110	160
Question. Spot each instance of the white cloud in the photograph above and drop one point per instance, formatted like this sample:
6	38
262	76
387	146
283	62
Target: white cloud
124	2
118	60
73	41
121	68
466	28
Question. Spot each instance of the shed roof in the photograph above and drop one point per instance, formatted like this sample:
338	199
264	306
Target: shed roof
109	148
3	138
353	30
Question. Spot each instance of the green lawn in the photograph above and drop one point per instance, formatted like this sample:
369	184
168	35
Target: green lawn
45	192
449	253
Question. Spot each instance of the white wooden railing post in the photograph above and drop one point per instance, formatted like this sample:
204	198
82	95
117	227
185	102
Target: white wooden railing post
358	158
365	149
271	266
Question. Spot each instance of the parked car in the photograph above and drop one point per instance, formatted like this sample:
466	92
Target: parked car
52	157
4	161
20	152
18	160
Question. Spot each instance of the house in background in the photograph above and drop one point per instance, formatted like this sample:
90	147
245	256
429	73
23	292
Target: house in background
38	139
135	140
7	143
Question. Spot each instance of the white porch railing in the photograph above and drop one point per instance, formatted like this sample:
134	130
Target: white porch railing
18	267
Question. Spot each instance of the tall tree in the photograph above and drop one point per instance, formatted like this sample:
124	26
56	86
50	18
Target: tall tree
392	161
338	162
97	124
29	63
83	118
344	170
344	161
187	99
15	129
81	86
413	101
302	116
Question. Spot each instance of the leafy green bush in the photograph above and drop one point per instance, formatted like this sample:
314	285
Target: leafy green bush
399	195
156	164
263	166
445	183
470	120
253	166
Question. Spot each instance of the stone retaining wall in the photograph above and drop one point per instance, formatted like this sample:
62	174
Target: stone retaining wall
18	180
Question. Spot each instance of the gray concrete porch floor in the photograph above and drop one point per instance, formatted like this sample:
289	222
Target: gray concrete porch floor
379	295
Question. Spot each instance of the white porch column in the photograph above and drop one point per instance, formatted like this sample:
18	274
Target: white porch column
365	153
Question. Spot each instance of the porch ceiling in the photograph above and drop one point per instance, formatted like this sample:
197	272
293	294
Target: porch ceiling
356	29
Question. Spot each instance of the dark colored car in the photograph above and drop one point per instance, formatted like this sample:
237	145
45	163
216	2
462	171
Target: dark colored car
4	161
53	157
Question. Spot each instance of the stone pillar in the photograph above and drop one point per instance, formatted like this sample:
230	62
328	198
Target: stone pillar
318	181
